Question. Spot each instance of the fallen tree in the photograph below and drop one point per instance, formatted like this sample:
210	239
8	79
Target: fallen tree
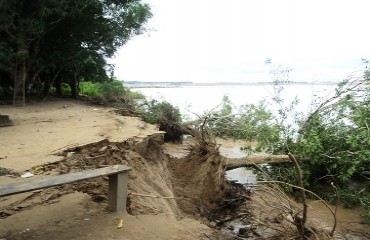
250	161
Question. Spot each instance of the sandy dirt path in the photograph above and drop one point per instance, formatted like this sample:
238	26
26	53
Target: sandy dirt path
43	129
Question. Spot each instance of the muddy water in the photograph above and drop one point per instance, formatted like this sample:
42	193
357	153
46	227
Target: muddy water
348	220
232	149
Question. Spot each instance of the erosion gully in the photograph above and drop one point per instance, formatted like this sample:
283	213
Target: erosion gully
349	220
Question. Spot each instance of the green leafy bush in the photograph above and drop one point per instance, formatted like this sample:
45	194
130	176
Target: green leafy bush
333	144
165	115
250	122
90	89
108	90
113	90
65	88
154	111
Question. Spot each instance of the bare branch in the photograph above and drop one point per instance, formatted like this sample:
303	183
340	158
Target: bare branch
300	223
294	186
335	211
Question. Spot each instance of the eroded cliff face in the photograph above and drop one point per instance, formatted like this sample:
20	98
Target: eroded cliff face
190	186
198	182
158	183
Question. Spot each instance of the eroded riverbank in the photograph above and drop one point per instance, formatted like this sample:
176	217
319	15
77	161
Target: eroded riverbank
349	221
78	210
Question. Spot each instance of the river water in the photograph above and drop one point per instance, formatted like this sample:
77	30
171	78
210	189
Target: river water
199	99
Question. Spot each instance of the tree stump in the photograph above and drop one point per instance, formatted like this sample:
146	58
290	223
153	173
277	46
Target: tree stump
5	121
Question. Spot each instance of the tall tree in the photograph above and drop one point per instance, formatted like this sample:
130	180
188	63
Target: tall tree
43	40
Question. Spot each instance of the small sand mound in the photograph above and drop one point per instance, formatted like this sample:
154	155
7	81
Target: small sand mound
199	182
5	121
149	174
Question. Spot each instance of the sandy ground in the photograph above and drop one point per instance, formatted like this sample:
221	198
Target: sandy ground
42	130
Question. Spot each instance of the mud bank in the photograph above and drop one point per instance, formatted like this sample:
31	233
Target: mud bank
192	182
183	197
170	198
177	188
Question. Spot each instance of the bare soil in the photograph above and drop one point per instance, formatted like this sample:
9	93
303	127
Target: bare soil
183	196
61	136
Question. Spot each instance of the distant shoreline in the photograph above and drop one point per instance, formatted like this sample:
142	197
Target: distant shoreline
191	84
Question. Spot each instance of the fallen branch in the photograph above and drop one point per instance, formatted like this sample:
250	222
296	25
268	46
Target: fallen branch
269	226
98	156
314	194
220	222
151	196
250	161
335	211
275	204
300	222
348	87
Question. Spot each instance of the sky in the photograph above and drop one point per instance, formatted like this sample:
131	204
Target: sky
229	41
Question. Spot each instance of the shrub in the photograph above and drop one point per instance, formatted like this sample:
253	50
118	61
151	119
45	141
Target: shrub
166	116
111	91
333	144
90	89
250	122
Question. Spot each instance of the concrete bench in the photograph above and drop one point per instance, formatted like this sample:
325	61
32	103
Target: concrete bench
118	179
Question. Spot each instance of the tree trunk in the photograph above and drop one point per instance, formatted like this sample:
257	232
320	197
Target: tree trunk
20	76
46	89
6	84
33	80
58	87
50	83
250	161
73	85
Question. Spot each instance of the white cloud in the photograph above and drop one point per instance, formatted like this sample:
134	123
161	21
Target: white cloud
220	40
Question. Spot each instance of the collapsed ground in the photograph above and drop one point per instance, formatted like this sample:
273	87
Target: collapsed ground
66	136
196	193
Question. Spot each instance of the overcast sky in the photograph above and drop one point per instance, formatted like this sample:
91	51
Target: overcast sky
229	40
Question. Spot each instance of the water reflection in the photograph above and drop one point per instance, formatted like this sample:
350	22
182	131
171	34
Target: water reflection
232	149
349	220
242	175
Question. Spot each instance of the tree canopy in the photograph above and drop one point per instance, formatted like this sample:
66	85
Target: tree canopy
47	43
